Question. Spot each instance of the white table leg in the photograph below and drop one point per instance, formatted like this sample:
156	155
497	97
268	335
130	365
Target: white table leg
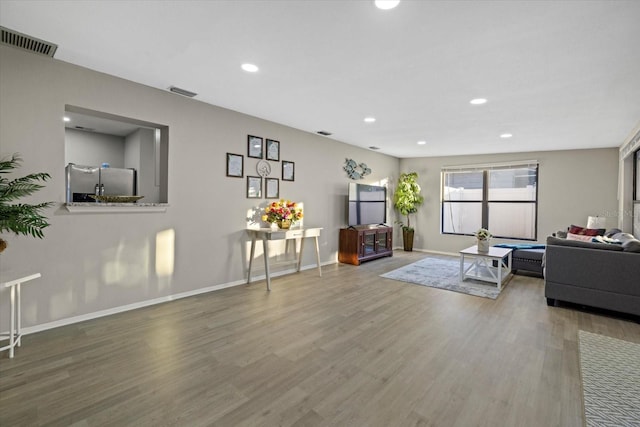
461	267
318	256
253	251
265	248
500	274
18	315
12	323
300	254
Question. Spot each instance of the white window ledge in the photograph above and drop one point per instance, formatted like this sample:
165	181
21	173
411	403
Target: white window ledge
116	207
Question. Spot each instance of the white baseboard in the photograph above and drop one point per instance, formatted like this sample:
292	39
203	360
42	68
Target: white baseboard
428	251
160	300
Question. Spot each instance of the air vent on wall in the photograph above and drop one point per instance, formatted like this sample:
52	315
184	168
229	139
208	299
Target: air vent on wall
183	92
323	132
28	43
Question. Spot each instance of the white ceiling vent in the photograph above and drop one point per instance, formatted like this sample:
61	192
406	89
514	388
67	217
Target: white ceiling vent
25	42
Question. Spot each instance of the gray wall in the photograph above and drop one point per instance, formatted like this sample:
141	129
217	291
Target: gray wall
571	186
140	155
93	149
97	262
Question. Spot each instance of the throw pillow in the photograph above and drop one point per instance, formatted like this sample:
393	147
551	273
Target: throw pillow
613	231
579	237
574	229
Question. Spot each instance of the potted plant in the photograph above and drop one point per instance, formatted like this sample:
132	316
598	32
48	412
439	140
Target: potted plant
406	199
20	218
483	235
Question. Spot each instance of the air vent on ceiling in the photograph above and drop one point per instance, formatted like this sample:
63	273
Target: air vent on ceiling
183	92
84	128
323	132
25	42
373	147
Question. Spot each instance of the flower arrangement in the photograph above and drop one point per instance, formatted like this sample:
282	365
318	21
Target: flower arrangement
282	211
483	234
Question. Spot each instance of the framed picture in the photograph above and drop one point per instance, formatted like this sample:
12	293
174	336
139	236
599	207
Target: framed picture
288	171
273	150
271	188
254	187
254	146
235	165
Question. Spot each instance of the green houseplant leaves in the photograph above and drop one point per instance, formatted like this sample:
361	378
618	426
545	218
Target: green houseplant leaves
20	218
407	197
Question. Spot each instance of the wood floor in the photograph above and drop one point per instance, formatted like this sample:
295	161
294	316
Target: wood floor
347	349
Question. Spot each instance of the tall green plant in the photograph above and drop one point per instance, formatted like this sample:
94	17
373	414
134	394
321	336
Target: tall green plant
20	218
407	197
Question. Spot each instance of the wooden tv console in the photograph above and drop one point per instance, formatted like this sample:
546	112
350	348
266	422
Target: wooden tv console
358	244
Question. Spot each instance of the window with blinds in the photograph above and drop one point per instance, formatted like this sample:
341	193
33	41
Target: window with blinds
502	198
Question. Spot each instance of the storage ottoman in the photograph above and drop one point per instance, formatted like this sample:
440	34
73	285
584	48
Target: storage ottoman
527	260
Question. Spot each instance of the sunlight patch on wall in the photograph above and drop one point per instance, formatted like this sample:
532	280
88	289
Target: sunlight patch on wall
127	265
62	304
165	252
91	289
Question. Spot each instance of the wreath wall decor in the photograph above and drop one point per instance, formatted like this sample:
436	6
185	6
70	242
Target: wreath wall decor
355	170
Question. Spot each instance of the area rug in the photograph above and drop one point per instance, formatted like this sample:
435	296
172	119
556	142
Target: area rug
443	273
610	371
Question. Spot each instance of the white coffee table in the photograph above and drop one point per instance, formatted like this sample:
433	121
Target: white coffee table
482	267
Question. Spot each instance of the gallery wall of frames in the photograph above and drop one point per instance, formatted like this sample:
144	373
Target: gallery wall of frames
266	161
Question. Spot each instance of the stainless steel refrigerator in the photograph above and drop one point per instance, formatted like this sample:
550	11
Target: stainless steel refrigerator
85	180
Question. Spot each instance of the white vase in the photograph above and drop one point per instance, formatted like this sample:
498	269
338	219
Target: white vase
483	245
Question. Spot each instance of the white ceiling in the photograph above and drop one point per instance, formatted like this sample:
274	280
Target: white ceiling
558	75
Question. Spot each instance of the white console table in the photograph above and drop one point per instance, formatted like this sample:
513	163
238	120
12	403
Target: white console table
15	331
267	234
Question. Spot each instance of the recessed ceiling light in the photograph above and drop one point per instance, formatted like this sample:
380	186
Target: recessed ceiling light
66	119
422	142
250	68
478	101
506	135
369	119
386	4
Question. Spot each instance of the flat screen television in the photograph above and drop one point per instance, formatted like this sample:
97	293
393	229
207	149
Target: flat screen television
367	204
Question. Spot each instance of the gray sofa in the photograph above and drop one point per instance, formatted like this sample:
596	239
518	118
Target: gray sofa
595	274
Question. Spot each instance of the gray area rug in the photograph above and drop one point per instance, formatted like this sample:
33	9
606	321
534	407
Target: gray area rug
610	371
443	274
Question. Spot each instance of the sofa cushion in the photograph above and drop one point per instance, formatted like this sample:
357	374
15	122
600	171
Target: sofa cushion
631	246
578	244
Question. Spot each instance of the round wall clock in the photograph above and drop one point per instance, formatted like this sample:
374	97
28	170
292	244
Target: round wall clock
263	168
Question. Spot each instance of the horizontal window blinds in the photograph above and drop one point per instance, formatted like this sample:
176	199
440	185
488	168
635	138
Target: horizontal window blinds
491	166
